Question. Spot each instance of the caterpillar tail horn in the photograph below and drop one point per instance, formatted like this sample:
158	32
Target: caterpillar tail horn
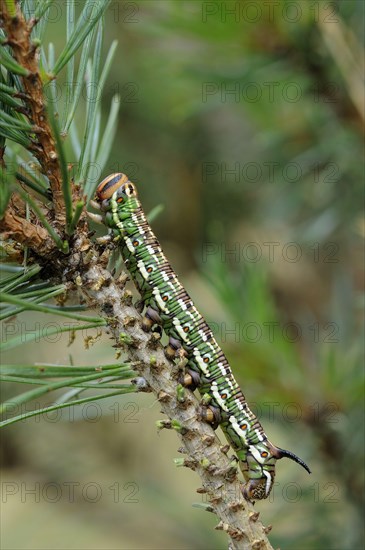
282	453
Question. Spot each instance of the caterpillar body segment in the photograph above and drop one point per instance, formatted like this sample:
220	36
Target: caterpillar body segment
168	304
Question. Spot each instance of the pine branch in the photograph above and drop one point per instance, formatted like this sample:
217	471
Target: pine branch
25	53
205	454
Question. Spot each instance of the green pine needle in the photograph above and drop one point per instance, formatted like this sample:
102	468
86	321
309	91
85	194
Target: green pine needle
91	14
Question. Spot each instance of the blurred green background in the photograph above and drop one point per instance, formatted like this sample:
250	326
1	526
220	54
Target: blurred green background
244	120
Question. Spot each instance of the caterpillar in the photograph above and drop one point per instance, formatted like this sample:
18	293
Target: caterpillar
168	305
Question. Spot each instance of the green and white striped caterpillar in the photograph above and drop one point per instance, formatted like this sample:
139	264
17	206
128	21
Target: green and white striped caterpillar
169	305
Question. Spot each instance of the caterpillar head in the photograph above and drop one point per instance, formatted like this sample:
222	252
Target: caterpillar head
260	469
115	183
256	489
